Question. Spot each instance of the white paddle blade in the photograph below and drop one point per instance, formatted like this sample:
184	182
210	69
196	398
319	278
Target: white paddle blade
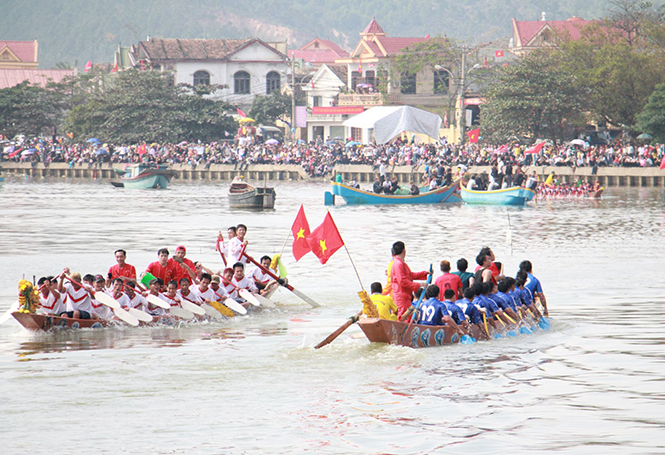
107	300
181	313
125	316
235	306
158	302
140	315
211	312
265	302
251	298
192	307
305	298
8	314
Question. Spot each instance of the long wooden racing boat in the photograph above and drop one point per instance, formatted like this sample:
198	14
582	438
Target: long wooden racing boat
47	322
244	195
516	195
355	196
422	336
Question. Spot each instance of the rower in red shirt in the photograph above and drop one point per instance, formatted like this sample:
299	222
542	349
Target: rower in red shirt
448	281
184	268
121	270
402	279
162	268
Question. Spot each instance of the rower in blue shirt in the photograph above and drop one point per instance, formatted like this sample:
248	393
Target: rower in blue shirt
433	311
525	294
470	310
455	312
533	284
482	291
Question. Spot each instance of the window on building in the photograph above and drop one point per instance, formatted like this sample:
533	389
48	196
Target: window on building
441	82
356	78
273	82
370	78
408	84
316	100
202	78
241	82
357	134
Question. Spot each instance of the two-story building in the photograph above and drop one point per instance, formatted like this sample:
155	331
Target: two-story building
532	35
19	62
246	67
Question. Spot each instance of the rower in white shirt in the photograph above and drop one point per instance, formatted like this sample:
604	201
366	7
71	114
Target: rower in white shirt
136	299
203	290
78	302
118	294
101	310
49	298
241	281
263	281
236	245
184	293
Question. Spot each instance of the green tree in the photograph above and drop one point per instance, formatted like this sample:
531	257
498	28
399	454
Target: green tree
532	99
31	109
652	118
139	106
268	108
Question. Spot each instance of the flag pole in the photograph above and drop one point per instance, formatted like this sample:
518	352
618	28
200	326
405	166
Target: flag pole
354	268
285	242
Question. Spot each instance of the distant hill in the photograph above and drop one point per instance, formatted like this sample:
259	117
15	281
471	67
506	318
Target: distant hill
75	31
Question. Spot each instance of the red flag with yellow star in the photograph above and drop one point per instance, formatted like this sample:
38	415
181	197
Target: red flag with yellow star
300	230
325	239
474	135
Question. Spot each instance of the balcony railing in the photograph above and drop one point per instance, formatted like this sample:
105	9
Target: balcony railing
357	99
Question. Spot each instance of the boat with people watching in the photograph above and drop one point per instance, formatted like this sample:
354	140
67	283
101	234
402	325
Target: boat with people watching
353	195
144	176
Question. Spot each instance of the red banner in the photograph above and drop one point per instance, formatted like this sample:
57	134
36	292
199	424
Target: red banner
328	110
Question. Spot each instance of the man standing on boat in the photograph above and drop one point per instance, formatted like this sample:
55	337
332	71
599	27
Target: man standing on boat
402	279
162	268
237	245
184	267
121	270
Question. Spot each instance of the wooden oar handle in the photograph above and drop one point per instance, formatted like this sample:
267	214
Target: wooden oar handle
266	271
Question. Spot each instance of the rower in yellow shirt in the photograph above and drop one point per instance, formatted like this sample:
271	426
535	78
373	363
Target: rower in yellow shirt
384	303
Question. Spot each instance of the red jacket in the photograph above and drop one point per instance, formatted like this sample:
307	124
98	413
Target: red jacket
401	279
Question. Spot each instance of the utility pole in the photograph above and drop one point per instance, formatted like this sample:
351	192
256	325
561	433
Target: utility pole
293	98
461	108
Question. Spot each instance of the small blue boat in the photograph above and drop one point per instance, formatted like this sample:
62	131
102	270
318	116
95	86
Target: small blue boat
139	176
516	195
354	196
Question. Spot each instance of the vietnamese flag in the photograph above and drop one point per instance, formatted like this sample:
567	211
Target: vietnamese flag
300	230
241	113
88	66
474	135
536	148
115	68
325	239
499	53
662	163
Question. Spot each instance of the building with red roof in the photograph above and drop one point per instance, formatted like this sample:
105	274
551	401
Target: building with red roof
318	52
531	35
18	63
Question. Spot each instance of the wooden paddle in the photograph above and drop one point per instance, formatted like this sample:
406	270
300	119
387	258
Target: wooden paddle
181	313
226	311
8	314
140	315
330	338
158	302
221	237
287	286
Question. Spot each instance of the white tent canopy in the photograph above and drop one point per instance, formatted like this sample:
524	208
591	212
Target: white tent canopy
390	121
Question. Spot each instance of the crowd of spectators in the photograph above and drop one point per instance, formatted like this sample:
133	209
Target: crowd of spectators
318	158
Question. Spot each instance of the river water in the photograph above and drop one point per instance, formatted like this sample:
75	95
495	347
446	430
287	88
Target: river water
594	384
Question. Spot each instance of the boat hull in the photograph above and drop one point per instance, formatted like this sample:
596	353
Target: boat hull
402	334
46	322
510	196
144	178
354	196
253	198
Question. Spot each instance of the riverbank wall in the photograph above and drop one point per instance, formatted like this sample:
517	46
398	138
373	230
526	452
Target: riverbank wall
607	176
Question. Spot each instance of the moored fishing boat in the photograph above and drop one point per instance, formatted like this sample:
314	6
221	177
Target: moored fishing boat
139	176
244	195
509	196
355	196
